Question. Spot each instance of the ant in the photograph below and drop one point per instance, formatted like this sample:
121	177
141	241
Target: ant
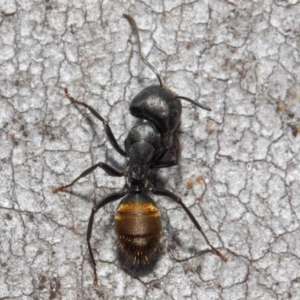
147	146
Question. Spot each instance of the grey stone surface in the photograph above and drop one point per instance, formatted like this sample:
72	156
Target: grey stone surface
239	169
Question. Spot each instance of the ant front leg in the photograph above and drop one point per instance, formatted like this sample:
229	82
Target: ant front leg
101	203
163	192
107	128
108	169
174	151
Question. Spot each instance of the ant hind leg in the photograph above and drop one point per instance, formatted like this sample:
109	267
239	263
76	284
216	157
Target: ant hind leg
101	203
163	192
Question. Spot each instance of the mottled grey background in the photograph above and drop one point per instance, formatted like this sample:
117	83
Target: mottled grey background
239	171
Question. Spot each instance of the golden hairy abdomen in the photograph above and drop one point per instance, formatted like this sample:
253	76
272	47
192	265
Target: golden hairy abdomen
138	227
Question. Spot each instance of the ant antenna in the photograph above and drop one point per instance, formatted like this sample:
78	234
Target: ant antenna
142	57
194	102
146	62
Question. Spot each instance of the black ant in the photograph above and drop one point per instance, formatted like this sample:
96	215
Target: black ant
147	146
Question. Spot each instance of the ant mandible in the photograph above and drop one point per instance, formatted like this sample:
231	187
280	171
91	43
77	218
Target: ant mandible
147	146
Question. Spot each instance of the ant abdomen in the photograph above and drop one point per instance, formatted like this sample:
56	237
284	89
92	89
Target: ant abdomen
138	227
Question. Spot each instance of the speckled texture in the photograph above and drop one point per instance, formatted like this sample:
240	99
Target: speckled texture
239	169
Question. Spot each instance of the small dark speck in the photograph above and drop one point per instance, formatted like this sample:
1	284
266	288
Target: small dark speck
295	130
55	287
291	115
156	285
100	294
31	216
189	45
42	282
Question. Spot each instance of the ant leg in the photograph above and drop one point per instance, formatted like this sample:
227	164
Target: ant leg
174	150
163	192
159	163
107	128
108	169
144	60
165	164
101	203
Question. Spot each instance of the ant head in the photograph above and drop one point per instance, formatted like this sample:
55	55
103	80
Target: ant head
158	105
